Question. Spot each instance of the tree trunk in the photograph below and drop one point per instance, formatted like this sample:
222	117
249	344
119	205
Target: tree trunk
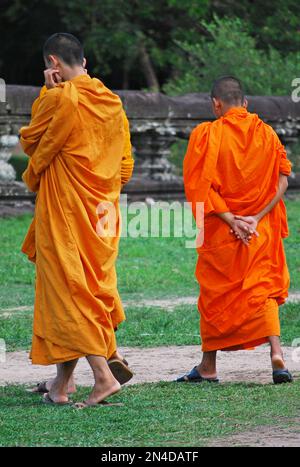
147	69
125	76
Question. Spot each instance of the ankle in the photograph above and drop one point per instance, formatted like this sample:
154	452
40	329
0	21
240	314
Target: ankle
206	370
276	354
277	362
104	378
59	386
116	355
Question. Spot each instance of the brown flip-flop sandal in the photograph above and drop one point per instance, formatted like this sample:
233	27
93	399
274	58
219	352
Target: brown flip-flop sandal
40	388
120	370
85	405
123	360
47	400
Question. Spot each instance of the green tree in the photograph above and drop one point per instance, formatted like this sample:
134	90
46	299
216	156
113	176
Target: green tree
274	23
138	44
130	42
232	50
25	25
136	36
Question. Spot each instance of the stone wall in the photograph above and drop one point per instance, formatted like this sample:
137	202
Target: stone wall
156	122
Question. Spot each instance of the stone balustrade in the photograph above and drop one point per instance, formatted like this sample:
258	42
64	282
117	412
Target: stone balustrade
156	121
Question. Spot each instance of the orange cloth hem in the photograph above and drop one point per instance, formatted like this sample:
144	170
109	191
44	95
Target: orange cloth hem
44	352
247	345
254	332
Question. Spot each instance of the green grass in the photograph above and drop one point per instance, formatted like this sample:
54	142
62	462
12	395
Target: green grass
292	243
290	322
162	414
172	415
178	149
147	327
148	267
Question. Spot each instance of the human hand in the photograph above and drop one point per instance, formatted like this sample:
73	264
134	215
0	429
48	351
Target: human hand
242	230
252	222
52	77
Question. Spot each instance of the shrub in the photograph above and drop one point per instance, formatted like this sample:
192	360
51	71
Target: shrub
231	49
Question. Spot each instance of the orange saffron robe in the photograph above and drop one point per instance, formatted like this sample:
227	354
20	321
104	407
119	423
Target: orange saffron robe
79	150
233	165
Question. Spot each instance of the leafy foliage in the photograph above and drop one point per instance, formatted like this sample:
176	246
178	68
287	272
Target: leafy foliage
232	51
136	43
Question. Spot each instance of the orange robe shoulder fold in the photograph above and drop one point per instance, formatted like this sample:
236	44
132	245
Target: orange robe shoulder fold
233	164
79	151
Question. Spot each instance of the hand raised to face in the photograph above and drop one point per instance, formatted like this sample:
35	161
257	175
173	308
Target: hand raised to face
52	77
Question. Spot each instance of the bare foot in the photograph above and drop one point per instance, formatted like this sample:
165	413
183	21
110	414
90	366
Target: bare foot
48	385
100	393
57	393
72	389
116	355
206	373
277	362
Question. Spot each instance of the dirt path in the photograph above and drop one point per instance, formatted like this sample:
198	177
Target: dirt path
157	364
165	364
263	436
171	303
168	304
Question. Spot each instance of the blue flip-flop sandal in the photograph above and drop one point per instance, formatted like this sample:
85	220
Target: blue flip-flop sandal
194	377
282	376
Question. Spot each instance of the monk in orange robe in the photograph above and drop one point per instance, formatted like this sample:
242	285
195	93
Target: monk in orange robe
79	151
237	167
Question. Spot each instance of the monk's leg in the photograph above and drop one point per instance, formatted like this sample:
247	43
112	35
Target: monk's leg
71	384
276	353
207	367
49	382
105	383
59	388
117	355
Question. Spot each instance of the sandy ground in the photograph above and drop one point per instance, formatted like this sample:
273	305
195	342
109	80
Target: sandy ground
171	303
165	364
263	436
168	304
158	364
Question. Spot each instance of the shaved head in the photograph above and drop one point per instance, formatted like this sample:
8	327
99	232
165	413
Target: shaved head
65	46
229	90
